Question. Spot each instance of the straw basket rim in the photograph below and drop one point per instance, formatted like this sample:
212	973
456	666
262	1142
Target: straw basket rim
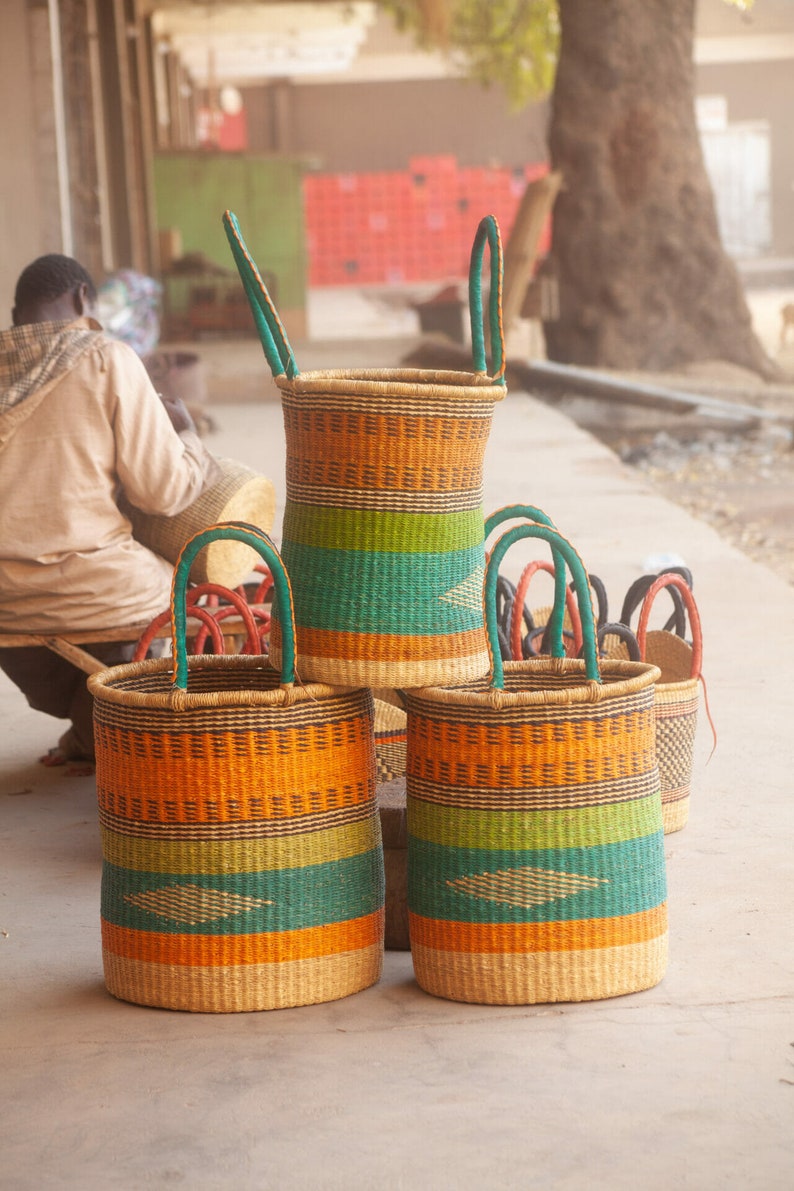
175	699
623	678
678	685
395	382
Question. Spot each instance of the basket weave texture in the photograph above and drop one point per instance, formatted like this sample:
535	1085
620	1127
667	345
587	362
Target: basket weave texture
383	531
242	857
390	741
240	495
677	698
536	862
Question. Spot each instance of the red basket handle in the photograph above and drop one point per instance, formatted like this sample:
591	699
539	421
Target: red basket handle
672	579
527	575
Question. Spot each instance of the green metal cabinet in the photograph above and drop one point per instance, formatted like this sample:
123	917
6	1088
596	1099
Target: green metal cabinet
194	188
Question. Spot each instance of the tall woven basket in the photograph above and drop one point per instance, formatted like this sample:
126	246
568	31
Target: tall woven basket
676	697
242	857
535	847
383	524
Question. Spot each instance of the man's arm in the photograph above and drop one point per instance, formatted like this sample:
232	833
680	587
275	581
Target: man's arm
161	462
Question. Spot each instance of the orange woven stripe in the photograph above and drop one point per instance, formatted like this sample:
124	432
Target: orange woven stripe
561	754
352	433
410	475
426	454
274	947
578	935
224	777
378	647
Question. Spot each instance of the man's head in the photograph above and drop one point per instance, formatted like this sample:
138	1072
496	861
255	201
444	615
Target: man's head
51	289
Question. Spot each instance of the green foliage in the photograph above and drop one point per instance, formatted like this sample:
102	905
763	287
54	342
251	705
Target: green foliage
514	42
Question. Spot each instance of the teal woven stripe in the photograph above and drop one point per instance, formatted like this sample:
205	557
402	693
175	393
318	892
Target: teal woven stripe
196	904
383	530
366	592
520	830
475	885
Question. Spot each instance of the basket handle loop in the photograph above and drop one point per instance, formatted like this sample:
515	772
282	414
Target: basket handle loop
531	513
487	232
579	575
639	589
273	337
257	539
674	580
522	587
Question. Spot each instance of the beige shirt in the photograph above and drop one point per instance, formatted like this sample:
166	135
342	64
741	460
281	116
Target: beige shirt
67	449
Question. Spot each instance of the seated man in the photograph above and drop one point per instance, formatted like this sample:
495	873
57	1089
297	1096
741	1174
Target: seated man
80	422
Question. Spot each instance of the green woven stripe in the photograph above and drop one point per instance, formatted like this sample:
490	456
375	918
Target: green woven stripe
498	830
369	592
383	530
299	898
631	878
238	855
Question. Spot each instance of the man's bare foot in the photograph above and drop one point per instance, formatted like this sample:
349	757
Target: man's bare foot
69	751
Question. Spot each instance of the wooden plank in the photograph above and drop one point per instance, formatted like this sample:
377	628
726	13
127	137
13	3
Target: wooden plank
78	657
231	626
521	250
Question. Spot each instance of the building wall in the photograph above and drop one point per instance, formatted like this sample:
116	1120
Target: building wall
29	213
378	126
763	91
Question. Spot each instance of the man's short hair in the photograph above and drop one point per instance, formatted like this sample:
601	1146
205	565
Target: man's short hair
48	278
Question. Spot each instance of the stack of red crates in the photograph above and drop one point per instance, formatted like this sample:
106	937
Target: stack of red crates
406	225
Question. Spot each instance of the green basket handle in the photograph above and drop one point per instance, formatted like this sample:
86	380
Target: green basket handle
533	514
487	233
273	337
257	539
581	585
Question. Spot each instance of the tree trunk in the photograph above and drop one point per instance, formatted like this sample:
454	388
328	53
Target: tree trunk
644	280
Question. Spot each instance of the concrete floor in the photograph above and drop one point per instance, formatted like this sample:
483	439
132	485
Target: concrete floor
690	1084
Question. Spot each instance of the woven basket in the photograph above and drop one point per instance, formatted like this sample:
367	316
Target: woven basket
676	697
390	741
243	866
536	860
383	525
240	495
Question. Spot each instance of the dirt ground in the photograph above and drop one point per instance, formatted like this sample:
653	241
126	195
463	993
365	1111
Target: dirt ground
739	478
740	482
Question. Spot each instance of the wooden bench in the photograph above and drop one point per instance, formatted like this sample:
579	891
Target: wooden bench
68	644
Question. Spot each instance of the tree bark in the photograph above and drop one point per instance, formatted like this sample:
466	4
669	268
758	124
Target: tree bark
644	280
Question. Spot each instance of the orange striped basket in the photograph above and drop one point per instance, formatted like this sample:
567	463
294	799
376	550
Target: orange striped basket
383	524
676	697
242	856
535	845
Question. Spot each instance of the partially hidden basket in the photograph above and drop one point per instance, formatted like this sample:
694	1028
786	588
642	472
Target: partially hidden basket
242	858
239	495
536	859
383	525
676	697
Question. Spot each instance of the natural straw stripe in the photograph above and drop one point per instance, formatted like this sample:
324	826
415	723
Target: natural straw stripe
246	989
539	798
422	502
540	977
458	394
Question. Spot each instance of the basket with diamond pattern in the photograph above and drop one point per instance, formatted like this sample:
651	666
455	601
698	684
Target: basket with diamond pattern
535	848
242	857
